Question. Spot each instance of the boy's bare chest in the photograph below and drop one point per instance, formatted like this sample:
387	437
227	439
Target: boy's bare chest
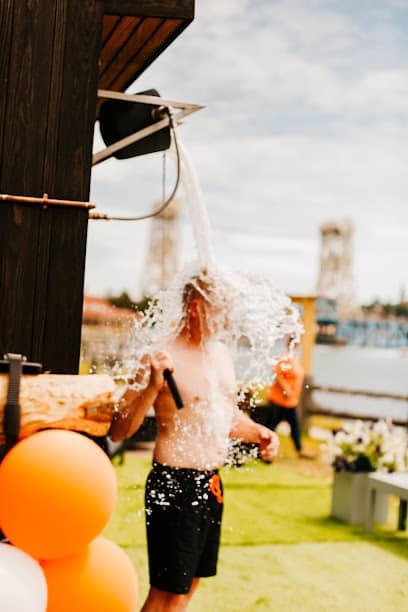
198	375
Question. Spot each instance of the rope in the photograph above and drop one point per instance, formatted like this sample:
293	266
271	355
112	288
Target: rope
163	206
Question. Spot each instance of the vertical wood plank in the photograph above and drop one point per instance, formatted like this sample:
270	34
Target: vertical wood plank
76	116
18	245
50	159
25	122
64	289
6	29
49	102
67	172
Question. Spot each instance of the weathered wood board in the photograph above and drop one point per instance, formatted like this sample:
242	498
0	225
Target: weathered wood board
81	403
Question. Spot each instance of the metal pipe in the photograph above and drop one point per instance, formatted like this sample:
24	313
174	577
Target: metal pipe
44	201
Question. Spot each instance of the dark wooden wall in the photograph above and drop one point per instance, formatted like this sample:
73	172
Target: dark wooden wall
48	83
50	56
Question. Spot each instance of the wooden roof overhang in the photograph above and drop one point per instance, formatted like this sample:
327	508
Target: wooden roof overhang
134	34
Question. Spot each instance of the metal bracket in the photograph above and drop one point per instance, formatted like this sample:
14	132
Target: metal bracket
14	364
185	108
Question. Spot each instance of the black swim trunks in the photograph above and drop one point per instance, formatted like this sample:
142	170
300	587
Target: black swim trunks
183	523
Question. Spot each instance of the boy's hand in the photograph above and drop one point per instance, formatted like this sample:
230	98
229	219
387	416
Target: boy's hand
160	361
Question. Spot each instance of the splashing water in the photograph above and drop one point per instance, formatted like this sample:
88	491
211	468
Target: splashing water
197	208
248	314
244	311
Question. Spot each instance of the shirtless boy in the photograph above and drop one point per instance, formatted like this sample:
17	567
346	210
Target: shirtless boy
183	496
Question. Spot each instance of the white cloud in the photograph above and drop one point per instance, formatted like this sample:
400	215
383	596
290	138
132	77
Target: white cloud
306	120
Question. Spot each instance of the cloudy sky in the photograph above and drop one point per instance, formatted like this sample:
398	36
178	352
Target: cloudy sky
306	121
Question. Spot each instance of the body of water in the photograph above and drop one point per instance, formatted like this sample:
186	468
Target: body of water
362	368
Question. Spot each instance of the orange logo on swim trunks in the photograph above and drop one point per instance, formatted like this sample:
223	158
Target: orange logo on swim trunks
215	488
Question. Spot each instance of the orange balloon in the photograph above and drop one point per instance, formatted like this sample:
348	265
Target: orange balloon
57	492
100	578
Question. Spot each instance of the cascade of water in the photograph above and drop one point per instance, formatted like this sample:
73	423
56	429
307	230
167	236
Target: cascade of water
248	315
258	313
197	208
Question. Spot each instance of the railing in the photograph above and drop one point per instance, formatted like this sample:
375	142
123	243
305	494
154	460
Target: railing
310	407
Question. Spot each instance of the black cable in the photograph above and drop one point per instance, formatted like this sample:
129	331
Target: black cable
164	204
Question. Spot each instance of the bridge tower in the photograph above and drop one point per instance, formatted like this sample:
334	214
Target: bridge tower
163	250
336	264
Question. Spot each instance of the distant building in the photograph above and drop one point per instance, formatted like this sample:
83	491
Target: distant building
162	257
336	280
106	332
98	311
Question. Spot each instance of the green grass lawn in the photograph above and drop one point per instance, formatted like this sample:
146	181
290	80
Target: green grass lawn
280	550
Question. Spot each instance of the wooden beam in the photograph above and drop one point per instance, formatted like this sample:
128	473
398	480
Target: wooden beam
160	39
109	24
151	38
130	38
175	9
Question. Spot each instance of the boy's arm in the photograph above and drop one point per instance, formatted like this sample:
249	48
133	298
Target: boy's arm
134	405
132	409
246	430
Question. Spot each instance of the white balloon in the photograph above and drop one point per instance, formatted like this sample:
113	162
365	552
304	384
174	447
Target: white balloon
23	587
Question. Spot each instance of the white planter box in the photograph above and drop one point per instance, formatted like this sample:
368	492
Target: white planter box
349	501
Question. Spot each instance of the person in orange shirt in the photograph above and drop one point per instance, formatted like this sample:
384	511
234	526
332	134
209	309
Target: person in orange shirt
284	395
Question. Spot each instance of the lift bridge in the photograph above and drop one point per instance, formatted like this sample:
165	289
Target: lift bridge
380	333
373	333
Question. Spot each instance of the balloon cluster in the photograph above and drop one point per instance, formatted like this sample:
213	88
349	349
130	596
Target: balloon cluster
57	493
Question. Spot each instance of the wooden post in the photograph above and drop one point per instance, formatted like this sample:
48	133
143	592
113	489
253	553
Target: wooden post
49	55
307	305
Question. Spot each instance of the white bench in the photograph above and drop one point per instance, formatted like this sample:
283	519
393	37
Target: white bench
389	484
